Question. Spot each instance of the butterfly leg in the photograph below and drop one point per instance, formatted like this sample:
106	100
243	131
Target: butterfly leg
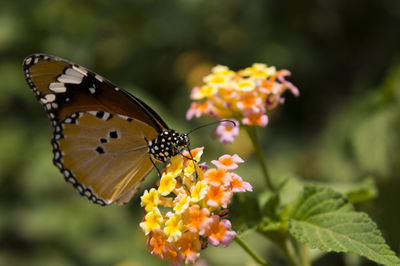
194	164
189	158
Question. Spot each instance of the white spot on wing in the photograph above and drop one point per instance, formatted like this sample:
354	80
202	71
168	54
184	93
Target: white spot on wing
99	78
57	87
50	97
106	116
73	72
65	78
123	117
28	61
80	70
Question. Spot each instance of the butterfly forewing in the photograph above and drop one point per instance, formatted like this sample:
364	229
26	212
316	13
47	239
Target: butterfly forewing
100	130
64	88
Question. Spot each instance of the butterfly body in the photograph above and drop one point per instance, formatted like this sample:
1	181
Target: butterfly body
167	144
104	138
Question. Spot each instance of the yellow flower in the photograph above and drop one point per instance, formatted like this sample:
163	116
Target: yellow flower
257	70
244	85
182	203
175	167
220	69
152	220
173	227
199	191
149	200
207	91
167	184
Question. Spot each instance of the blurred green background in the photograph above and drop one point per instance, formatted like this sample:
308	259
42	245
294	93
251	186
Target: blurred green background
344	127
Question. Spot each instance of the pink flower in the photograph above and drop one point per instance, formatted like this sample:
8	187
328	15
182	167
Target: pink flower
238	185
189	246
196	219
218	196
252	117
227	131
220	232
203	166
228	162
196	110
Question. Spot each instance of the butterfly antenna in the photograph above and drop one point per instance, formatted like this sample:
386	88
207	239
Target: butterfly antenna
212	123
205	125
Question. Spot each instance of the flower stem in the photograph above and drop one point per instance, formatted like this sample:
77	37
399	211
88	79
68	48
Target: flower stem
251	132
246	248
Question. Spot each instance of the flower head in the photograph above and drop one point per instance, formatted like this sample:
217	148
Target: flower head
184	211
247	95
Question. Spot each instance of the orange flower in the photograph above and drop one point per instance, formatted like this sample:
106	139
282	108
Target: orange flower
218	196
172	254
238	185
216	177
156	243
195	219
220	232
189	246
228	162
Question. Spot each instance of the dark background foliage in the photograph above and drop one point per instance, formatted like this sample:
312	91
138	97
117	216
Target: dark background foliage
344	127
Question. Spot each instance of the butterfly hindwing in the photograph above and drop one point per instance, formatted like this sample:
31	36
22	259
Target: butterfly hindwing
100	130
103	155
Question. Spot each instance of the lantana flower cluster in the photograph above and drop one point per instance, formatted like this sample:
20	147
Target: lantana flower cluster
188	208
244	96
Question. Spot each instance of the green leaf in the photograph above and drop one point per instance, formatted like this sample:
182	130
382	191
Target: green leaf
362	192
324	220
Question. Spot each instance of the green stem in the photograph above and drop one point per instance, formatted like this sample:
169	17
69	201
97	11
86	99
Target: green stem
251	132
290	253
249	251
302	252
284	244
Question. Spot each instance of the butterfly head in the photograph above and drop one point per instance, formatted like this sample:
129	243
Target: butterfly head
183	140
167	144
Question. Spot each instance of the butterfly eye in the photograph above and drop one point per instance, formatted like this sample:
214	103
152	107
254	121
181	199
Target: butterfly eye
104	137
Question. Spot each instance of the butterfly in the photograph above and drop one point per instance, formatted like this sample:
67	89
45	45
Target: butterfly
105	140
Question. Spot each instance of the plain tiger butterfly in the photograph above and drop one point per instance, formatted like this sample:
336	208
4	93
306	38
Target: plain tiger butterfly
104	138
